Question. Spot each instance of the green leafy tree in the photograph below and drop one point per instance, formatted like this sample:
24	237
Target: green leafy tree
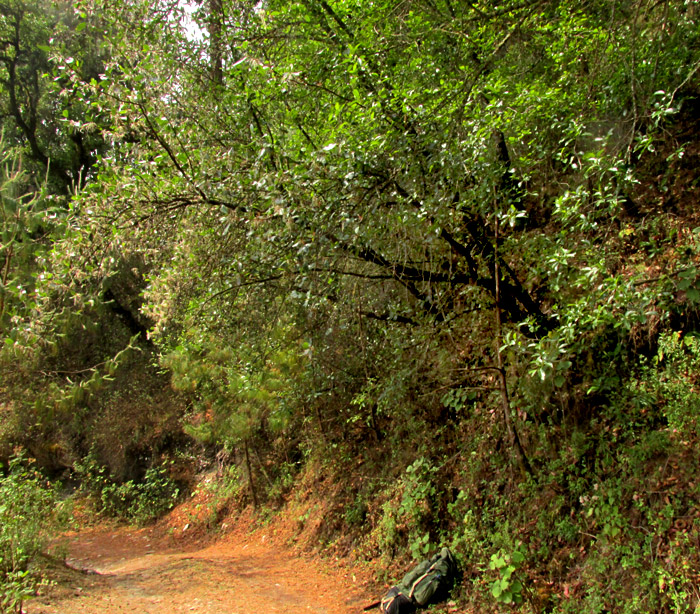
39	108
401	172
25	225
438	201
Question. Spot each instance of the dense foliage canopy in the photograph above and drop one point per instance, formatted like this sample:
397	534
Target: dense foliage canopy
462	231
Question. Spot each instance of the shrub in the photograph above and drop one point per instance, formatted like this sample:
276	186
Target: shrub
27	513
141	501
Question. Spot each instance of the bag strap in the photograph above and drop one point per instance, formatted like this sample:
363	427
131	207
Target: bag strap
414	586
387	600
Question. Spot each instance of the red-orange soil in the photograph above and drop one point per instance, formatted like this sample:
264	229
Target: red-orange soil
127	570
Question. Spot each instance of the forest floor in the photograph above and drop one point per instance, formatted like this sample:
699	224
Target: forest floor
111	568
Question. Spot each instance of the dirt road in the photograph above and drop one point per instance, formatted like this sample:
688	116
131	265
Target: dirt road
140	571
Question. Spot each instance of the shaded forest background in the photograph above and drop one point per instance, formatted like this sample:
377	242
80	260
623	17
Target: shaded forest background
431	266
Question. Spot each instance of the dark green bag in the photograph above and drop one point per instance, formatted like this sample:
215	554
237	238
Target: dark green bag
429	582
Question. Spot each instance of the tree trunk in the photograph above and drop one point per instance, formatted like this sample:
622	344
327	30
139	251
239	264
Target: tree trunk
520	455
249	469
215	26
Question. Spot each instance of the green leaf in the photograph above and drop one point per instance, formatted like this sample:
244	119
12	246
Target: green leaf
497	562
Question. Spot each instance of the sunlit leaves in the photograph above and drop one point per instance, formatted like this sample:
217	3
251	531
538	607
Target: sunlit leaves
375	159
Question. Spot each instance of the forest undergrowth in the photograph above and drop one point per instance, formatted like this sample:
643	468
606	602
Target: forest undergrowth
406	275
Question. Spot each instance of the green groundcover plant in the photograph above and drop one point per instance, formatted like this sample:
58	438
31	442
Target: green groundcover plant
28	512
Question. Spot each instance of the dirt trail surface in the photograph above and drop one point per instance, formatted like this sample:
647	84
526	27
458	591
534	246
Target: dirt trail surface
142	571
